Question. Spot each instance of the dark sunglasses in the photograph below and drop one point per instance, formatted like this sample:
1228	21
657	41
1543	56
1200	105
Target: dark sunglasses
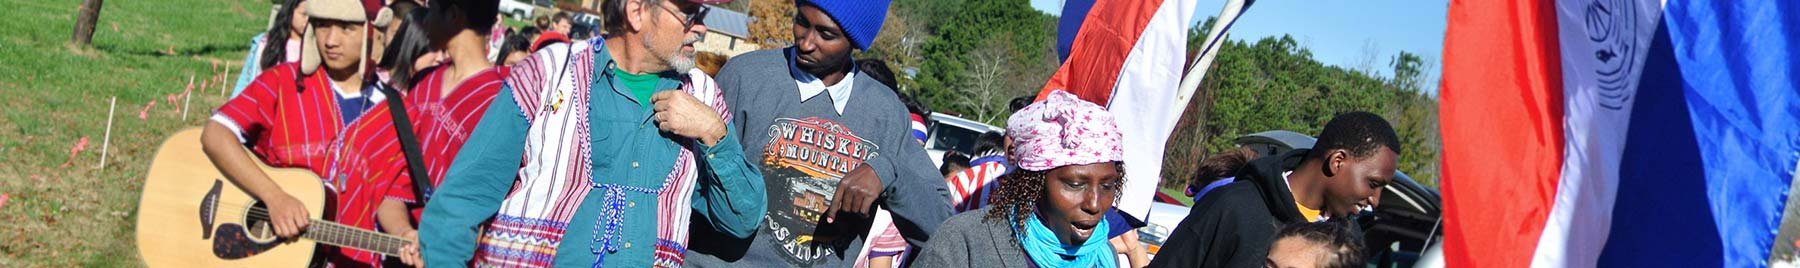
691	18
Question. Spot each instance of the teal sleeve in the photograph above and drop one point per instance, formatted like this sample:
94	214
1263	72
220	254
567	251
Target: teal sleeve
731	192
252	65
479	178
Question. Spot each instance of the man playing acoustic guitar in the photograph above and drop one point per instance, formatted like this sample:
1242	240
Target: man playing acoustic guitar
293	116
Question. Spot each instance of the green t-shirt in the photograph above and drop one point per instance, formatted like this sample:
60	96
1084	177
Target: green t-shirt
640	85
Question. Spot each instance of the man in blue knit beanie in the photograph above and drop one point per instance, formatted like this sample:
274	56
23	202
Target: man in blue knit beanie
832	145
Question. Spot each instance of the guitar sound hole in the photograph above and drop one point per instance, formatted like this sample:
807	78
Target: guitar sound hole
256	217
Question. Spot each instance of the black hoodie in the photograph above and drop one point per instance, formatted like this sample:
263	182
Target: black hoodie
1234	225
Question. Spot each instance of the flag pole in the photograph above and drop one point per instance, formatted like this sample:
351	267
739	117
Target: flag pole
1214	40
188	97
106	141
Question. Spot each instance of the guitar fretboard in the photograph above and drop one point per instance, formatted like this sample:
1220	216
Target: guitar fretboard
331	233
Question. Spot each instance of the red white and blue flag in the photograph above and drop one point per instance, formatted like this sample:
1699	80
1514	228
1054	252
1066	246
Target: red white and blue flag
1620	133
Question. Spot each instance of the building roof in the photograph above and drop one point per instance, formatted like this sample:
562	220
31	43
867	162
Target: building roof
728	22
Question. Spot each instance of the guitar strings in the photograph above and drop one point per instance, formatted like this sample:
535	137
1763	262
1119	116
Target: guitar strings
261	213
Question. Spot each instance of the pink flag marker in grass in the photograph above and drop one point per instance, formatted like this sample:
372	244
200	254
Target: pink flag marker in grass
145	113
79	146
174	101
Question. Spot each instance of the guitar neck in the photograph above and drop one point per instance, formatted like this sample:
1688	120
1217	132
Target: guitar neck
331	233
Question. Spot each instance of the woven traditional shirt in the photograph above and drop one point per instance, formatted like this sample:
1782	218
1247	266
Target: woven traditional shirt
297	123
573	172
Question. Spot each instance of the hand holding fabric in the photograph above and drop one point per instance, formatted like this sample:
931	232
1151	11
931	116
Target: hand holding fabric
680	113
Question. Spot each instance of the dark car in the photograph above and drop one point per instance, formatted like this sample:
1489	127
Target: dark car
1403	225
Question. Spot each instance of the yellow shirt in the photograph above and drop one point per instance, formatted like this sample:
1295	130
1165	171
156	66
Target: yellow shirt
1312	215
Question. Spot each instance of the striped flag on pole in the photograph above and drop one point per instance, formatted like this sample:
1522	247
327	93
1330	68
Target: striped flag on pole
1620	133
1128	57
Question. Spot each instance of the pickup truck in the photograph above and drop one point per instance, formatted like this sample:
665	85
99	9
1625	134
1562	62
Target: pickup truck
517	9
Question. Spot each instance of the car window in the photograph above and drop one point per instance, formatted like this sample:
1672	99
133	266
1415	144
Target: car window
948	137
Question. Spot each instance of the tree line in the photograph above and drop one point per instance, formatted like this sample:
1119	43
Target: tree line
971	57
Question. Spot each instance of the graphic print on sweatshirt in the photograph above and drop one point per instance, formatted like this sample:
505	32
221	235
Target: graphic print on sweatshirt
803	162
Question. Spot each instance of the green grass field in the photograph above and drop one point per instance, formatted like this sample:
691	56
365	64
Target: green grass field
54	95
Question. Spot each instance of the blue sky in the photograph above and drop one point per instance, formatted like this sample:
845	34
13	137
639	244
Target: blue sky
1337	31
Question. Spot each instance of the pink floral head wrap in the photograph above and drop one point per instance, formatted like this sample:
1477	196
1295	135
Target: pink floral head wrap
1063	130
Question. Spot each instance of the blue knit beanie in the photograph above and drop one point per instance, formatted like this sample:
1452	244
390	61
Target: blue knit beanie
860	19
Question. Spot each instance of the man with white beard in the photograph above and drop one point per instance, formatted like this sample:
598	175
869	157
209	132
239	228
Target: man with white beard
598	153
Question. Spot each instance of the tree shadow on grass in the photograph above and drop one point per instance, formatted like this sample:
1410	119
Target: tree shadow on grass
203	50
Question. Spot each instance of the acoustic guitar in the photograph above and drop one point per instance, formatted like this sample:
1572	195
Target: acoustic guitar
191	216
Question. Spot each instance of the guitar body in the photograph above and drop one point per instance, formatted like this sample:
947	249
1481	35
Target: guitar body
191	216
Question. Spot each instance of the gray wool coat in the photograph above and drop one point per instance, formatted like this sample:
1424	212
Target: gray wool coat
970	240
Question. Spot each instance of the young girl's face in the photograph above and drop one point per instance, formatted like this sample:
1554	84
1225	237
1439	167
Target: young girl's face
514	58
298	23
427	60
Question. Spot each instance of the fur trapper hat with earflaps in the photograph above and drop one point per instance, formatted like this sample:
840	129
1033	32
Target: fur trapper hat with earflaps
344	10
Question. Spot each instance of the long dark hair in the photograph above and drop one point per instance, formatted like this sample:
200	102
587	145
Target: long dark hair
275	46
513	43
407	44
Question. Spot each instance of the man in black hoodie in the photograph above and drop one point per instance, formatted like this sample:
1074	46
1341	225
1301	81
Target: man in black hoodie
1232	226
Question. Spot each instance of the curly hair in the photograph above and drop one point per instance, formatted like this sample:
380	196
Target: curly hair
1020	190
1361	133
1334	236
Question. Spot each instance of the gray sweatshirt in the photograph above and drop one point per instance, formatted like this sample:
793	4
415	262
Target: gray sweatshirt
803	148
970	239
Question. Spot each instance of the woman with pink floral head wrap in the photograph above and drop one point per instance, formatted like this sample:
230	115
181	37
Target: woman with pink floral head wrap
1051	211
